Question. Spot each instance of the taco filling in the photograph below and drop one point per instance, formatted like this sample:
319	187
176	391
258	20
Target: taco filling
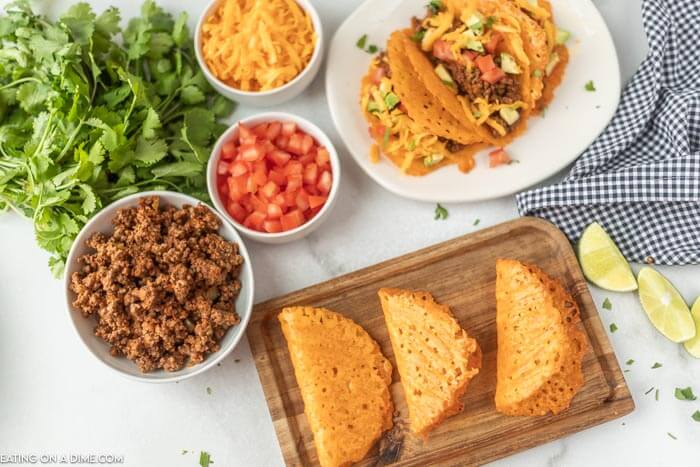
471	53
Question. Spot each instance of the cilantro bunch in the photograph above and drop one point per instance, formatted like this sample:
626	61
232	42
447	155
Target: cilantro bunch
90	113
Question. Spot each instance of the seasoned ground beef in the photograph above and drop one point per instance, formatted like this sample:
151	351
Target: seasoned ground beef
162	287
452	146
469	83
384	63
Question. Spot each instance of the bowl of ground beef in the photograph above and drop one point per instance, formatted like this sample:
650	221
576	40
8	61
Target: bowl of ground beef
159	287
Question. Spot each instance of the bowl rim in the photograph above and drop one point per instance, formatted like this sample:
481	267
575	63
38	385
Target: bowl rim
213	358
315	56
318	134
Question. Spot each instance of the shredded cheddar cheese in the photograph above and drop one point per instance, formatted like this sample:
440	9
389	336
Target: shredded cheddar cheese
258	45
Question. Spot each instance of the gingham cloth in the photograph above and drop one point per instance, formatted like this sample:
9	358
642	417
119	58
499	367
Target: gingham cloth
641	178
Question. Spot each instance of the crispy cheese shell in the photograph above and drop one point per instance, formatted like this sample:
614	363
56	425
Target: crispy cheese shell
540	345
435	357
344	382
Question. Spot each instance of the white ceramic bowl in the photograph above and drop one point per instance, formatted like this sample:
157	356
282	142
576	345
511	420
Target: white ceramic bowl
102	222
301	231
274	96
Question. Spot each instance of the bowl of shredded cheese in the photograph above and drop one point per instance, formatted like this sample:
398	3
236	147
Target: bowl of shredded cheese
259	52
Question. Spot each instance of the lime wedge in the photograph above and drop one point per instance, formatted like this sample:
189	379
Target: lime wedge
602	262
664	306
693	345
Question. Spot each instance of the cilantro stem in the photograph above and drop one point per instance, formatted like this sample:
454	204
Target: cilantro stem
20	81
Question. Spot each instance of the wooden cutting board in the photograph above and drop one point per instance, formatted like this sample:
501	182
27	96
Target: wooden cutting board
459	273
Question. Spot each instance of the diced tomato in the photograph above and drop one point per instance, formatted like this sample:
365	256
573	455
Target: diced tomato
290	199
377	131
442	50
492	44
252	152
245	135
294	182
269	190
307	142
250	185
279	157
294	168
280	201
485	63
254	221
469	56
289	128
277	176
274	211
493	76
310	174
236	188
308	158
237	211
260	130
274	129
324	182
302	200
229	151
377	74
292	220
282	142
311	189
324	158
258	204
498	157
222	168
296	142
316	201
274	177
223	188
239	168
271	226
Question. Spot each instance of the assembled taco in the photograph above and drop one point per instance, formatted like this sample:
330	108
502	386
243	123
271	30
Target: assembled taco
408	125
484	60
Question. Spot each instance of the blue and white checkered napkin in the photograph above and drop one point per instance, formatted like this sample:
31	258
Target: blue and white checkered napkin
641	178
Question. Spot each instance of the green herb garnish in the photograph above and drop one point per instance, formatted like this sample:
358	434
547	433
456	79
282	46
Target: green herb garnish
208	390
440	212
684	394
590	86
205	459
373	49
476	222
650	389
435	6
671	435
656	365
361	42
630	361
418	35
184	451
613	327
656	396
489	22
607	305
387	135
91	113
391	100
696	416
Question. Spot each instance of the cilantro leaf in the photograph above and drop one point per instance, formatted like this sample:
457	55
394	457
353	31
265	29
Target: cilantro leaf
696	416
590	87
607	305
440	212
361	42
656	365
684	394
205	459
613	327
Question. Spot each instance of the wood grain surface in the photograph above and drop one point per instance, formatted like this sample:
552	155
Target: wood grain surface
460	273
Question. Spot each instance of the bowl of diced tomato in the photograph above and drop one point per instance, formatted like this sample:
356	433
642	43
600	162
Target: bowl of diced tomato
274	176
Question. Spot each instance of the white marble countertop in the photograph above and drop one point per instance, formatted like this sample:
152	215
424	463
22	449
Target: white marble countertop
56	398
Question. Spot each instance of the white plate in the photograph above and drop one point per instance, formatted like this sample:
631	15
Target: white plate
571	122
